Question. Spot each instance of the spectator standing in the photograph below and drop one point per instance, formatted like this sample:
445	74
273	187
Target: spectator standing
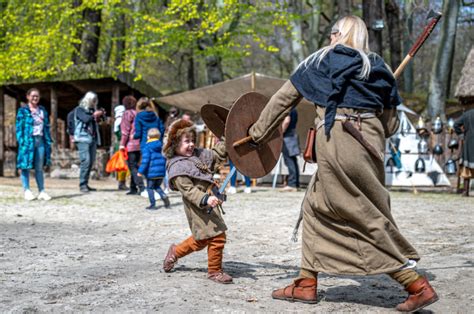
291	151
127	128
118	114
465	125
34	144
86	136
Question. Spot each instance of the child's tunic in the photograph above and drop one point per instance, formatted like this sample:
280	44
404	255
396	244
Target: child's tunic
192	176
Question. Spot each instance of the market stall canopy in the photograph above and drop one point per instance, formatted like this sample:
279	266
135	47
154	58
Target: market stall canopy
225	93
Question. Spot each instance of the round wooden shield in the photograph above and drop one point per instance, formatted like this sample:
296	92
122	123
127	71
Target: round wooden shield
254	162
214	117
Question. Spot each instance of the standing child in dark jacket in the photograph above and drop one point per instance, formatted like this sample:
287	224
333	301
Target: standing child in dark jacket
190	172
153	168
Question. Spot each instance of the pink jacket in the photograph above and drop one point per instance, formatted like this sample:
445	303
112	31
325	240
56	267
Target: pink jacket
127	128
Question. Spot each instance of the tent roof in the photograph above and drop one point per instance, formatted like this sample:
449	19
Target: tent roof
224	93
465	87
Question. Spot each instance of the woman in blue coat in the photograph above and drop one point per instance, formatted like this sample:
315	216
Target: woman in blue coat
34	143
147	118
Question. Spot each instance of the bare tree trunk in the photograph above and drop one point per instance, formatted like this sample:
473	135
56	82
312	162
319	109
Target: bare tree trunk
107	34
214	69
90	36
408	77
443	63
78	34
297	54
344	7
120	42
392	12
190	76
373	14
134	44
310	33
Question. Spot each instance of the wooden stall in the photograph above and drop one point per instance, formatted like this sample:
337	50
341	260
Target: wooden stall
61	93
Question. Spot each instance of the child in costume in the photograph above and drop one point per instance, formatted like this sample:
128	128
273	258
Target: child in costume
153	168
190	172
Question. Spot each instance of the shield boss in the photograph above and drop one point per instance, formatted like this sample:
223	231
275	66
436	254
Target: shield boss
214	117
254	162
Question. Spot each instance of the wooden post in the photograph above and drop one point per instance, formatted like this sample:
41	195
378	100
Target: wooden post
2	129
115	101
54	118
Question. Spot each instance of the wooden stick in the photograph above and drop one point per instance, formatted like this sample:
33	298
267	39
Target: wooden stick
402	66
434	19
242	141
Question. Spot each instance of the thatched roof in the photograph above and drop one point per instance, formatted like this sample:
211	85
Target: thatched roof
465	87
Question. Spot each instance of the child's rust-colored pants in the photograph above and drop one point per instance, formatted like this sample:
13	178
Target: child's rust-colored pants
215	248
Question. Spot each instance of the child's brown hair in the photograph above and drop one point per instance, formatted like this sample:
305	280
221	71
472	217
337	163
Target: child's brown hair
176	130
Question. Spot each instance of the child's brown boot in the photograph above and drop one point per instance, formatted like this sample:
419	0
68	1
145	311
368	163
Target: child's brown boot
220	277
170	259
421	294
302	290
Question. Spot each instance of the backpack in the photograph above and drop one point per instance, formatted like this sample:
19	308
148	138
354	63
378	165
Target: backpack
71	123
77	128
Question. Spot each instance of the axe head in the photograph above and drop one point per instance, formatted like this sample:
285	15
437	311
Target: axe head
254	162
433	15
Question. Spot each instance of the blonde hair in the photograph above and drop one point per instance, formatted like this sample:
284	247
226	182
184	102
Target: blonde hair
352	32
89	100
153	133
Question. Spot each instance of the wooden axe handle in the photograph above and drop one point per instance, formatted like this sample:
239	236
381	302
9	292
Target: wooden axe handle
242	141
435	17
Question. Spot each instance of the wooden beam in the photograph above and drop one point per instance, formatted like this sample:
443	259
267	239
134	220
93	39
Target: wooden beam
54	117
2	129
114	102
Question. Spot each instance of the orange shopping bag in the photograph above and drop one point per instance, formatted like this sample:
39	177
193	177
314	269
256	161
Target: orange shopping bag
118	162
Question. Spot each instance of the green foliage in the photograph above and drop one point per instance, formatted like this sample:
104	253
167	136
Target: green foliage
38	38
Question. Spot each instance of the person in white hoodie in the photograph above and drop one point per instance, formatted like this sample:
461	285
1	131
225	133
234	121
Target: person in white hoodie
118	114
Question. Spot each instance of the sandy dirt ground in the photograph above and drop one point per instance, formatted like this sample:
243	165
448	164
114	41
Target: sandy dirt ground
103	252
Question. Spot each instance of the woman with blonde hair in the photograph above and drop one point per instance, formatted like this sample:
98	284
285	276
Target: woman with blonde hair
348	228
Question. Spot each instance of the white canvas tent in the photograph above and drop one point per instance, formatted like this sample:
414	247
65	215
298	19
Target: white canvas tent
408	146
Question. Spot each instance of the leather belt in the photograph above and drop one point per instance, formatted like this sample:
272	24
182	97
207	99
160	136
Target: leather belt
352	130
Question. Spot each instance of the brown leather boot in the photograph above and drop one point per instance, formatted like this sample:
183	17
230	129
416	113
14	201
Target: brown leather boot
220	277
170	259
302	290
421	294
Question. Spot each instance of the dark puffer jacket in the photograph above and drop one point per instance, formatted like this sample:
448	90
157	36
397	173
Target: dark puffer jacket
153	163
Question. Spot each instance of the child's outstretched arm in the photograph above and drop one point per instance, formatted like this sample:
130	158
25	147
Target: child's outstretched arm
190	192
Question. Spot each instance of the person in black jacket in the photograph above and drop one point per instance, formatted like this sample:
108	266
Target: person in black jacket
465	125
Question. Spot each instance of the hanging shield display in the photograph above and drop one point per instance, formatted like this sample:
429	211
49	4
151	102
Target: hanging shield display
214	117
254	162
